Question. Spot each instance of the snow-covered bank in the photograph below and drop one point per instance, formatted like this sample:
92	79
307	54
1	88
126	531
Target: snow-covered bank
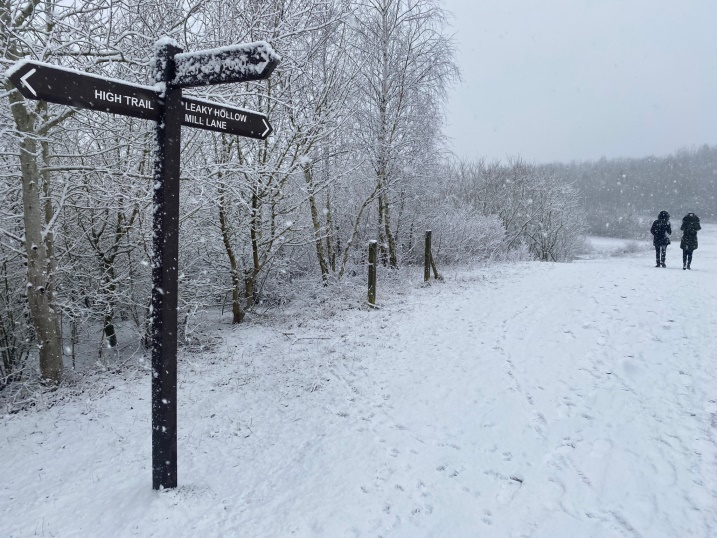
540	400
600	247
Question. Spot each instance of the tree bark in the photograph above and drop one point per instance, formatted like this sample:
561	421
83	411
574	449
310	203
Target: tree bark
38	247
392	255
317	226
330	248
381	229
237	312
254	233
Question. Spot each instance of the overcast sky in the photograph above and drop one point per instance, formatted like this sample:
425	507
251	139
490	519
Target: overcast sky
579	79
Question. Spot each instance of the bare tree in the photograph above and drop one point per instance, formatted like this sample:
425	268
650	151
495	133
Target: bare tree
409	65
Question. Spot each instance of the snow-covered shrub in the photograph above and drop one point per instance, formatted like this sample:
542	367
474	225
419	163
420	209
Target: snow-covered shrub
460	234
537	208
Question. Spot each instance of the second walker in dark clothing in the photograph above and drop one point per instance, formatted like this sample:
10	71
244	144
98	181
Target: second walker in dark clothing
690	227
661	230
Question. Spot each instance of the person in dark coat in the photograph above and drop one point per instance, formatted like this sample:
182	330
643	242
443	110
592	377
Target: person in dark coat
661	231
690	227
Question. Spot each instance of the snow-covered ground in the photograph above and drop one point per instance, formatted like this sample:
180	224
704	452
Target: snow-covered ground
609	246
538	399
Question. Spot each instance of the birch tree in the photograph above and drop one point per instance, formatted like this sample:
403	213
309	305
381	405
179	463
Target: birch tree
409	65
27	30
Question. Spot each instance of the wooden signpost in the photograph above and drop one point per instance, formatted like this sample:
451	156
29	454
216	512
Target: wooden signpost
164	104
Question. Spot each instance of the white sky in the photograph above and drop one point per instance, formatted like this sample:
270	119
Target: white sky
579	79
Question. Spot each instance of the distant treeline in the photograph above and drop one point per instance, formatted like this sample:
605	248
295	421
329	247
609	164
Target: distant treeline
620	196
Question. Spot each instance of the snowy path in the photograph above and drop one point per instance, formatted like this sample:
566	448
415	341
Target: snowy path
551	400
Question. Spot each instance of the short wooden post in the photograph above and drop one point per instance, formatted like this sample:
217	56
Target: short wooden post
427	258
372	255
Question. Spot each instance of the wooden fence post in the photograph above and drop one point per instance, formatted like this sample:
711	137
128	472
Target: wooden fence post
435	270
372	249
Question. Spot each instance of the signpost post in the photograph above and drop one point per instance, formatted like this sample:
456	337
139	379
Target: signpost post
165	254
164	104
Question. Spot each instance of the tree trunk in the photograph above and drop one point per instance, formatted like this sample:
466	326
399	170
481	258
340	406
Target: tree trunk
237	312
381	230
249	289
254	233
40	277
330	249
317	226
110	291
392	256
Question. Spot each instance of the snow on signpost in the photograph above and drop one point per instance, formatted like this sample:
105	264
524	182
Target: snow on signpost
236	63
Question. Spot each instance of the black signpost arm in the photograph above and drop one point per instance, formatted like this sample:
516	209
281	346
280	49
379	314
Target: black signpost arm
164	275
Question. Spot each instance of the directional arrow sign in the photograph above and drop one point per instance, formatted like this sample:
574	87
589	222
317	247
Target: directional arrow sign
237	121
36	80
237	63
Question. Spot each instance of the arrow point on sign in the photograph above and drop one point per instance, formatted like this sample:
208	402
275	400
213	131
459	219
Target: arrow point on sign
24	78
268	128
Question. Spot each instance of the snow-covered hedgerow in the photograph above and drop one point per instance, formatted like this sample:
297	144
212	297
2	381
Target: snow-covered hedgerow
460	234
539	210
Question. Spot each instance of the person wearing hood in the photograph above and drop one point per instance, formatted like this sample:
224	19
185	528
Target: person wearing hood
688	244
661	230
